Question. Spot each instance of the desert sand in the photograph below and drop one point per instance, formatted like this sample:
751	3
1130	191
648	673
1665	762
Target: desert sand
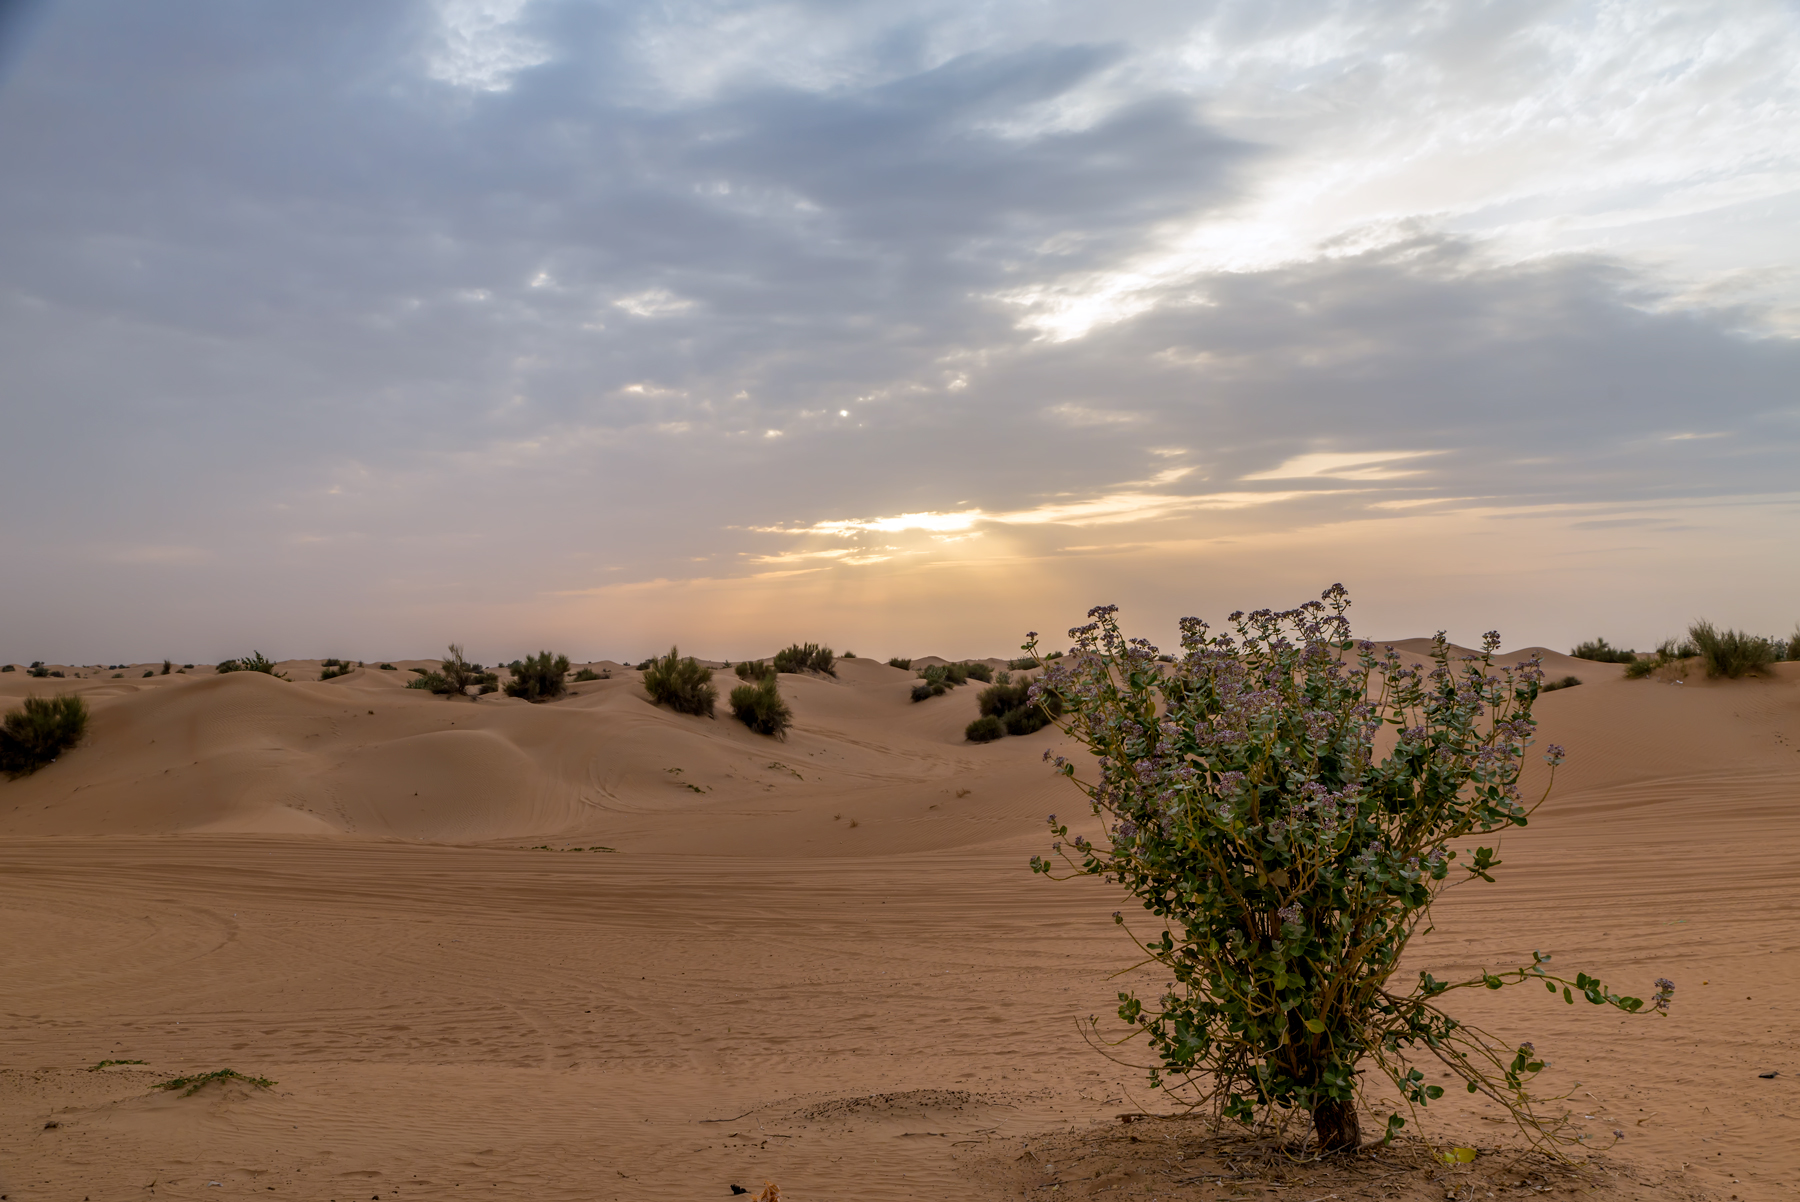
597	950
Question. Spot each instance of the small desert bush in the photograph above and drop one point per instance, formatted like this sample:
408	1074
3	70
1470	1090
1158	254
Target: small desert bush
387	668
148	672
39	731
1569	682
331	669
256	661
905	665
984	729
806	657
1671	649
1602	652
680	683
9	668
1284	865
1024	662
1793	643
166	666
979	671
760	707
1637	669
539	677
754	669
1016	710
1731	653
587	674
925	690
38	669
455	675
849	655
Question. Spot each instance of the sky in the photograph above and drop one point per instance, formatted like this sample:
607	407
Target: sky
354	329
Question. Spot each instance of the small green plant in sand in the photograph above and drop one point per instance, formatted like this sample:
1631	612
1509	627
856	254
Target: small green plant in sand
455	676
540	677
256	661
587	674
1600	651
681	683
940	678
1285	867
109	1063
754	669
9	668
331	669
39	731
190	1086
760	707
905	665
984	729
806	657
1013	709
1567	682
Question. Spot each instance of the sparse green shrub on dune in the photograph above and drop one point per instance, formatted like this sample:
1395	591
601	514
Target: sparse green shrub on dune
1024	662
754	669
760	707
540	677
166	666
1671	649
39	731
38	669
680	683
387	668
455	676
1793	643
848	655
1731	653
587	674
925	690
256	661
1016	710
8	668
1639	668
984	729
1600	651
975	670
905	665
331	669
148	672
1285	866
1567	682
806	657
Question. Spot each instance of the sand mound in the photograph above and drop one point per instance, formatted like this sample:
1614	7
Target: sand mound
343	885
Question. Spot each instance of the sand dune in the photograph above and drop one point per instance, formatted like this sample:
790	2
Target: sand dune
829	944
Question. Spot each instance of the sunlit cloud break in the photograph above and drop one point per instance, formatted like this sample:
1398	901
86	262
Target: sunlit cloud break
1106	510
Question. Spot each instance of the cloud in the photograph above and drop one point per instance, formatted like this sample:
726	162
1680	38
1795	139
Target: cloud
1344	465
596	292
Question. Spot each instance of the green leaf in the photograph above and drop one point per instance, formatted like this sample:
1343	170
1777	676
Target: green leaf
1315	1026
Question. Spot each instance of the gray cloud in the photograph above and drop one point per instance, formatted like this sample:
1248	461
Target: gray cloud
323	334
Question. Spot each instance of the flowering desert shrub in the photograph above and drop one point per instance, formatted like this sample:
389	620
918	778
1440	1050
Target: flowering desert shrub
1286	868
